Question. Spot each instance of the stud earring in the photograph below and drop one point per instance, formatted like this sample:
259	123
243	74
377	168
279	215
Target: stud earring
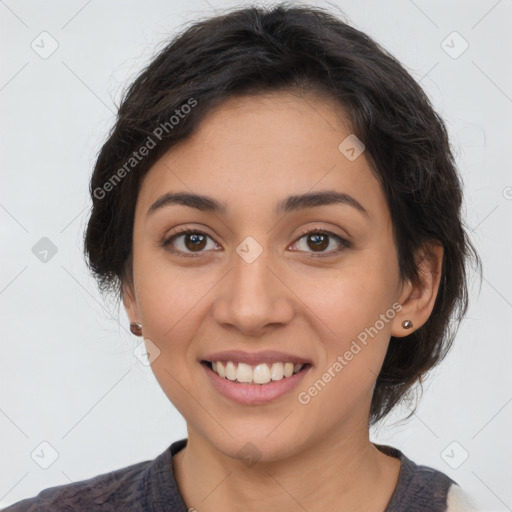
406	324
136	328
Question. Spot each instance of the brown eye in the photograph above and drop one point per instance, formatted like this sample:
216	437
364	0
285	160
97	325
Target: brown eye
194	241
187	242
317	241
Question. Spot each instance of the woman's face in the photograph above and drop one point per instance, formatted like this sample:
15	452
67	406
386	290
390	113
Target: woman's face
248	286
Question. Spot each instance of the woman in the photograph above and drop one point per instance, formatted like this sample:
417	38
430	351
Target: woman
278	208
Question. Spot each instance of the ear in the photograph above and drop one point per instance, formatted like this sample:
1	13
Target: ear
418	300
129	302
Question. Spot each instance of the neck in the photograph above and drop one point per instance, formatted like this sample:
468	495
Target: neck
337	473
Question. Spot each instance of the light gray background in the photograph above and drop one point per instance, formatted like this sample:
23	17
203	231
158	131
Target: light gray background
68	375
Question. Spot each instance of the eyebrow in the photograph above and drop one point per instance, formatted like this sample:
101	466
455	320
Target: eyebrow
291	203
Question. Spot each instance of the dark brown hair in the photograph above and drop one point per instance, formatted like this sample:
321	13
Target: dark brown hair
308	49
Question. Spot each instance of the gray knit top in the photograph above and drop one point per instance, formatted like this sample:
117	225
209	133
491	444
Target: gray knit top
150	486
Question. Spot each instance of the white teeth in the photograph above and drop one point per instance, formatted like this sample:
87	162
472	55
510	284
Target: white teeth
230	371
260	374
244	373
288	369
277	371
220	369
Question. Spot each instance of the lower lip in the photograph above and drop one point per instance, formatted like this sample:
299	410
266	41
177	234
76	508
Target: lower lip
253	394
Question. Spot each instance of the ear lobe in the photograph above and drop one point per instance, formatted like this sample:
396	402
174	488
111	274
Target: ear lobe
418	300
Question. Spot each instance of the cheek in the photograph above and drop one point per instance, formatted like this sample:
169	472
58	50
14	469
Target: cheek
349	300
355	309
355	344
170	306
168	295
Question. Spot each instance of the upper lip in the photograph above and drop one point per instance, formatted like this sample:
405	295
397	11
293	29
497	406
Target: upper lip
255	358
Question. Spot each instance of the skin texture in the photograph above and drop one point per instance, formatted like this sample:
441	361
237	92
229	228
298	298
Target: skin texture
251	152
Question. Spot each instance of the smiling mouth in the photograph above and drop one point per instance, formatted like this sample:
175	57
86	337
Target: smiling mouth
254	374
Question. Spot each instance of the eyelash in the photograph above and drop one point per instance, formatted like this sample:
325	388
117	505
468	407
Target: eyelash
344	244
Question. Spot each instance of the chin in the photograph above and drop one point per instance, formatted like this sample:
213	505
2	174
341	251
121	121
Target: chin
255	445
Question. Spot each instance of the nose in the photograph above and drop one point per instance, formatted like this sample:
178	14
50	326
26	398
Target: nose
253	298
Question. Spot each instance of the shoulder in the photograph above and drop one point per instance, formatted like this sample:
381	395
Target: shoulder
421	488
459	500
121	486
130	488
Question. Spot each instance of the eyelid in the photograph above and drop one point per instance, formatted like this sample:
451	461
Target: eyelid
343	242
312	230
167	241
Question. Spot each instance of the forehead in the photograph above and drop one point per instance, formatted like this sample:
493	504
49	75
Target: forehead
265	147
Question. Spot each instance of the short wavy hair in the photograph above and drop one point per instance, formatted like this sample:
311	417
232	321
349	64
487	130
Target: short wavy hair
301	48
